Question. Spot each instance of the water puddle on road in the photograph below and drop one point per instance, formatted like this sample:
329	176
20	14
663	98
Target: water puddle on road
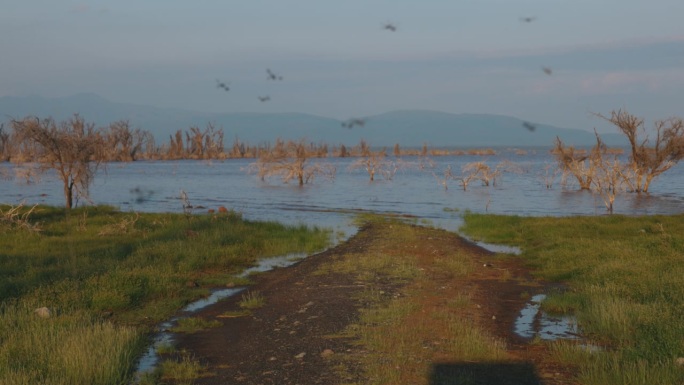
499	248
164	336
267	264
533	322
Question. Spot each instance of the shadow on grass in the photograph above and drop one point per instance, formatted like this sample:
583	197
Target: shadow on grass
486	373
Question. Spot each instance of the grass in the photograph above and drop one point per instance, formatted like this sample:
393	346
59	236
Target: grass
252	300
625	280
191	325
65	349
409	320
108	277
177	367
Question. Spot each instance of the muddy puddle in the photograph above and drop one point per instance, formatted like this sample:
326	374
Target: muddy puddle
164	337
533	322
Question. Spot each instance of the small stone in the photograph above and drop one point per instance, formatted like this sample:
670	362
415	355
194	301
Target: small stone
493	317
327	353
680	361
43	312
272	359
300	355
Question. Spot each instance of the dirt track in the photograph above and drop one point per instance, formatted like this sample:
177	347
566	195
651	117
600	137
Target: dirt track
291	340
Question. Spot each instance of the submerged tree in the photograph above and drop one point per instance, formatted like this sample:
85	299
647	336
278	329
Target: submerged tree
375	163
610	174
290	160
5	144
124	144
72	148
649	158
574	162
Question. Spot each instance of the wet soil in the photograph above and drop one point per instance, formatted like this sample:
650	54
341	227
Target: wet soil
292	338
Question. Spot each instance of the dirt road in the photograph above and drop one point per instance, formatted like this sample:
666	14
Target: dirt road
297	336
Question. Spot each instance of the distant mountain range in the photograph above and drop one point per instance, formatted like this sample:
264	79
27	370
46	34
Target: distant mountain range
408	128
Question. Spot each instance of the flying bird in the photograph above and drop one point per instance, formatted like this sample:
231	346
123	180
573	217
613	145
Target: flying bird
547	70
222	85
528	19
390	27
272	75
531	127
354	122
264	98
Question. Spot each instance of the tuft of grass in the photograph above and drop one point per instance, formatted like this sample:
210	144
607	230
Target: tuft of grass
194	324
183	371
165	348
252	300
234	314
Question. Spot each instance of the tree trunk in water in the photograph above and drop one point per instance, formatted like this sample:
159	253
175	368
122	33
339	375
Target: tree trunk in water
69	194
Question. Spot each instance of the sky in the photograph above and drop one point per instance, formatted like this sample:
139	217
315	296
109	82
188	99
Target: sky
338	60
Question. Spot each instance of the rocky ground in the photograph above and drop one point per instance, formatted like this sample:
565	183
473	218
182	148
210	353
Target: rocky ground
295	338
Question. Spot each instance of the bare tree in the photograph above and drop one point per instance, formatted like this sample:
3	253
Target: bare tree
290	160
176	148
238	150
397	150
474	171
610	174
376	162
123	143
549	174
647	158
574	162
72	148
444	178
5	144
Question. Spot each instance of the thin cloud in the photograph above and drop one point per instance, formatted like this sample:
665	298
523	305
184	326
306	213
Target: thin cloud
81	8
631	81
84	8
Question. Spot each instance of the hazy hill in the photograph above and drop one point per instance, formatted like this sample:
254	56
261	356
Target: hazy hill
409	128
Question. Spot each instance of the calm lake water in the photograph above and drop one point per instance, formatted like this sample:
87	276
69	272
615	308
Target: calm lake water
156	187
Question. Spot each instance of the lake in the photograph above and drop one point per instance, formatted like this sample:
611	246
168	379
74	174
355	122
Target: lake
155	186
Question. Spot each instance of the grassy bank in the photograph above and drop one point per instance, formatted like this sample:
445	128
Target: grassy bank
107	277
625	284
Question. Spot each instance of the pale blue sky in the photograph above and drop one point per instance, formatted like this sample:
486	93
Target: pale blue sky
472	56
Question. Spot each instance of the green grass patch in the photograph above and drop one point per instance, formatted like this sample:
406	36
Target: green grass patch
626	287
108	277
252	300
235	313
183	371
191	325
